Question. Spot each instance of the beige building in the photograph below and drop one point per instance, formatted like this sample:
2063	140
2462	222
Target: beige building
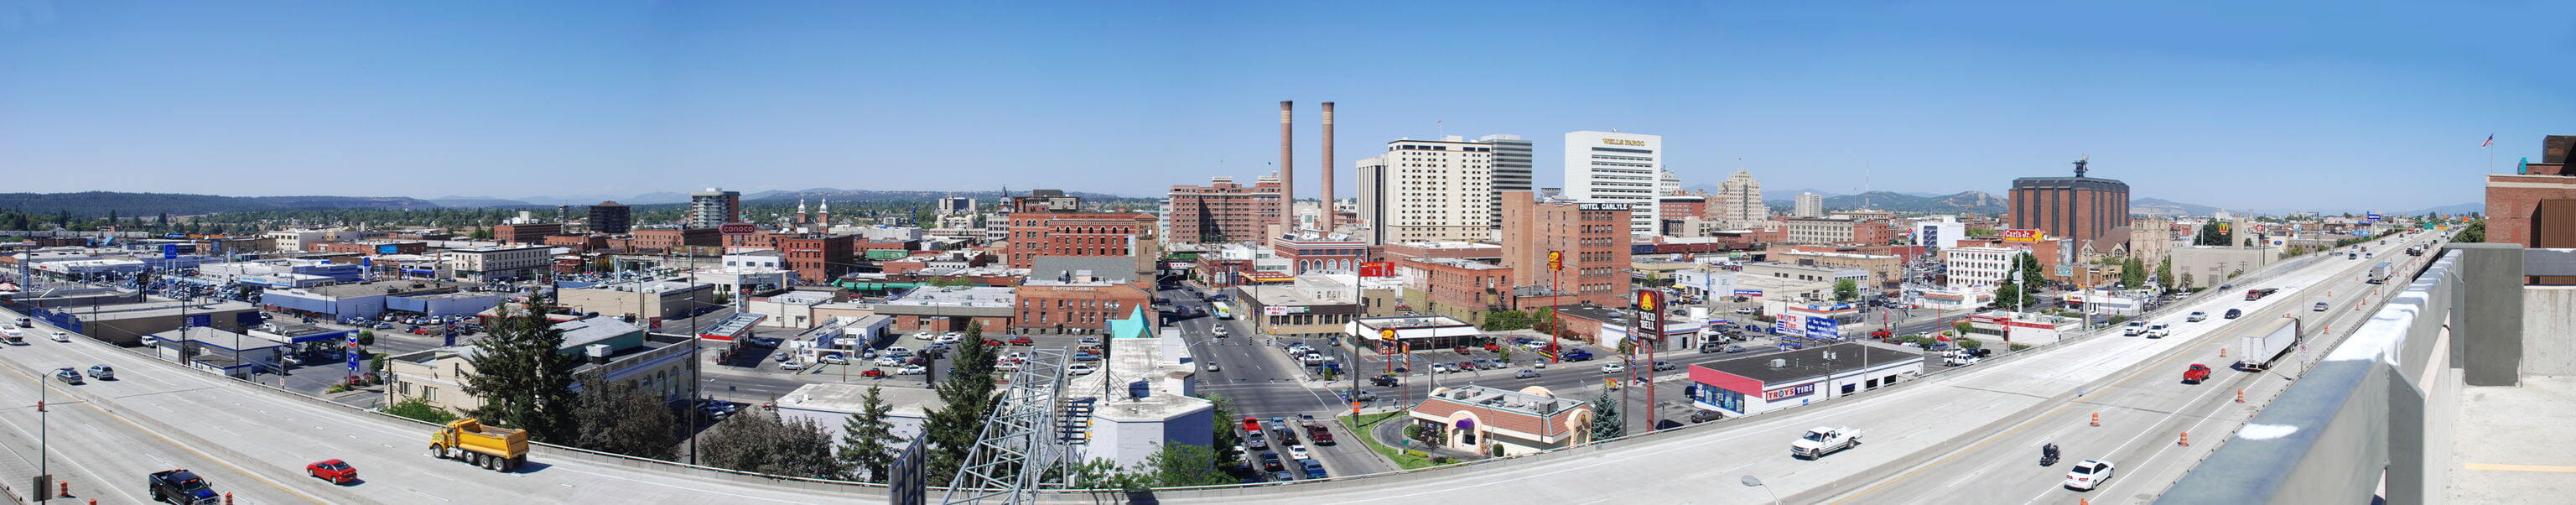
611	350
1809	205
2151	239
662	299
1819	230
1429	191
498	263
2213	265
1738	202
1884	269
1315	305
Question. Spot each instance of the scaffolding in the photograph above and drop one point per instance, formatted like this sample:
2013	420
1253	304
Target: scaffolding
1026	443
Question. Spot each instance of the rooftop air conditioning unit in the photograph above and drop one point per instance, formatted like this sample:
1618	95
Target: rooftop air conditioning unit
598	352
1829	355
1779	363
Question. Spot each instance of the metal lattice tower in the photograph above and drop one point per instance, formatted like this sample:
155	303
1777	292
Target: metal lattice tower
1020	442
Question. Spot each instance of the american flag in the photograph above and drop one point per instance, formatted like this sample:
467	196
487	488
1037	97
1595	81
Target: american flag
2490	141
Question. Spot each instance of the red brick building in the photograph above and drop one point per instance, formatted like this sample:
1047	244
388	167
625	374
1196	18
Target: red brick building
1051	233
526	233
578	243
664	239
1680	206
1223	211
1458	288
2079	207
817	258
1593	238
2537	206
369	247
1076	309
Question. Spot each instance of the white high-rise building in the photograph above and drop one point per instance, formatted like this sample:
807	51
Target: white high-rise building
1616	168
1667	183
1738	201
1809	205
1429	191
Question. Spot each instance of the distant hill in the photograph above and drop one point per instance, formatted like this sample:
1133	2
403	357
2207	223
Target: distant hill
99	203
1964	202
2457	208
2162	207
1791	195
478	202
878	195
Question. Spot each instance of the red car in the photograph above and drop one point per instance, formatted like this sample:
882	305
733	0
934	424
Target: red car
992	343
1881	334
1022	340
1490	346
1461	349
336	471
2197	372
872	373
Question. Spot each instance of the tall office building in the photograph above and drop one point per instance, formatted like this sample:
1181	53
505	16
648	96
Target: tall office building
1809	205
1738	201
1512	162
1223	211
1429	191
1616	168
611	217
2080	208
956	205
714	207
1667	184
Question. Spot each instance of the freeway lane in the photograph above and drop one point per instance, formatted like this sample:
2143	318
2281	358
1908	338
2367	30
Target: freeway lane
1701	464
2143	416
242	437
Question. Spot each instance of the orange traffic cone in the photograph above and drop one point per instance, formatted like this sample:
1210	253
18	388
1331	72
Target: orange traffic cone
2222	352
67	489
2240	396
2097	419
2186	439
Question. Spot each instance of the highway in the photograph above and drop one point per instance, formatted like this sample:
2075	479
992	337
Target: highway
1926	420
254	444
2145	414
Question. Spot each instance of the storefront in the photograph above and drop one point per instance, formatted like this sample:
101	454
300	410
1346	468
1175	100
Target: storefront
1746	386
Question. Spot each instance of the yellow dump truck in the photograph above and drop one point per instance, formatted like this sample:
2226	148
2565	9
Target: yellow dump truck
468	440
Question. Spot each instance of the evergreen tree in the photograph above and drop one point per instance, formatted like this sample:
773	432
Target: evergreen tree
522	376
2164	273
867	439
968	396
757	441
1178	464
1606	423
617	417
1226	438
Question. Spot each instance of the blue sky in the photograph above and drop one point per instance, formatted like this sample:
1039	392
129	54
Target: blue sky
2292	105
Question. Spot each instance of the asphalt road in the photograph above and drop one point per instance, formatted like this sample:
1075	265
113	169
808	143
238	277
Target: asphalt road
2146	414
254	444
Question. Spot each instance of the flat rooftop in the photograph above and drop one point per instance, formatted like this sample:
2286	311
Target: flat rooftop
1810	362
848	398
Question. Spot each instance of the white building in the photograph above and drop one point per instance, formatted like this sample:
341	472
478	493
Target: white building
714	207
1979	267
1429	191
498	263
1939	232
1152	400
1809	205
1617	168
1738	201
297	240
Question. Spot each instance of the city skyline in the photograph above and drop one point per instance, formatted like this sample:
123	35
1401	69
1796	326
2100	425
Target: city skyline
620	100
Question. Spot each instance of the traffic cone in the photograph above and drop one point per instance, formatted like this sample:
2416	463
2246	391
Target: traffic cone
2097	419
2222	352
2240	396
2186	439
67	489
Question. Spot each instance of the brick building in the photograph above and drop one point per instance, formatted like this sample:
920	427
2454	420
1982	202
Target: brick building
2536	205
611	217
818	258
1592	236
1054	233
2080	208
1223	211
1455	287
371	247
665	239
1079	295
526	233
578	243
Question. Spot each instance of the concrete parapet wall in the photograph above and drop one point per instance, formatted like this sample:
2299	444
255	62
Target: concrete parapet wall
2549	343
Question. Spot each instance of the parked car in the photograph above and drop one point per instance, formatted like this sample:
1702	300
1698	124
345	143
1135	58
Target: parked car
1080	369
1300	452
834	359
332	470
1702	415
912	370
1314	469
1270	461
1022	340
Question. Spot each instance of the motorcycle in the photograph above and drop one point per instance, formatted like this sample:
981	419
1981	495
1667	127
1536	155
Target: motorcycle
2048	455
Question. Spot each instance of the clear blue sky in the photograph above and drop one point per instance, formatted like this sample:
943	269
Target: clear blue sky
2308	104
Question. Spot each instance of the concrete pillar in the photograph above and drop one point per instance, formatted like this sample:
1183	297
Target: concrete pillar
2489	326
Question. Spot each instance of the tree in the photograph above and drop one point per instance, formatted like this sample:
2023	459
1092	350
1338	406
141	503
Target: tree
419	409
2164	273
2475	232
2186	278
1505	320
1605	419
1226	438
617	417
1963	327
2031	272
757	441
1178	464
968	396
1845	290
867	438
523	377
2133	272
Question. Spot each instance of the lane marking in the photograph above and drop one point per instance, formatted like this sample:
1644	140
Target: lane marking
2522	468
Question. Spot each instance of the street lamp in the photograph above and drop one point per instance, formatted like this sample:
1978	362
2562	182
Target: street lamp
1750	481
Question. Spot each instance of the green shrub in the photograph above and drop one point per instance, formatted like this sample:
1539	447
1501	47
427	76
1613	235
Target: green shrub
418	409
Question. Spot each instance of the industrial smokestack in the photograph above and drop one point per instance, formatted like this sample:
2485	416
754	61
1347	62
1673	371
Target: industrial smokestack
1326	223
1287	169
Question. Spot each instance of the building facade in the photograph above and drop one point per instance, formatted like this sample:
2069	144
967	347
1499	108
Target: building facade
1511	168
1592	238
1073	233
1809	205
1430	191
1738	202
1979	267
2080	208
498	263
1223	211
714	207
1611	167
611	218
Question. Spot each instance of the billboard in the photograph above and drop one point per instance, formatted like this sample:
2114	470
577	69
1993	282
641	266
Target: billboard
1650	305
1791	325
2024	235
1377	269
737	228
1748	292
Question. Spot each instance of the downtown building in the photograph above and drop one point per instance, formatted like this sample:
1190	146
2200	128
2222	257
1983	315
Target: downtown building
611	218
1222	211
2080	208
1046	223
1592	237
1511	168
1428	191
1612	167
1738	202
714	207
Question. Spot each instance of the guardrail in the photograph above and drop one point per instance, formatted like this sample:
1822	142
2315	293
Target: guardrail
2375	412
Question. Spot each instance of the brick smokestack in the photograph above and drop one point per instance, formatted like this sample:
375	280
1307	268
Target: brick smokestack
1326	223
1287	168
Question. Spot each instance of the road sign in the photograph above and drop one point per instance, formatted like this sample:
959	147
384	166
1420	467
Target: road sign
1555	260
1748	292
1377	269
353	352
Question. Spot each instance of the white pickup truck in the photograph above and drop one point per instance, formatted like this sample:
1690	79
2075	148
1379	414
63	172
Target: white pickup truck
1823	440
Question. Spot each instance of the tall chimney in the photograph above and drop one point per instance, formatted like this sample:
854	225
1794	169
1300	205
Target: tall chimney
1326	222
1287	170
